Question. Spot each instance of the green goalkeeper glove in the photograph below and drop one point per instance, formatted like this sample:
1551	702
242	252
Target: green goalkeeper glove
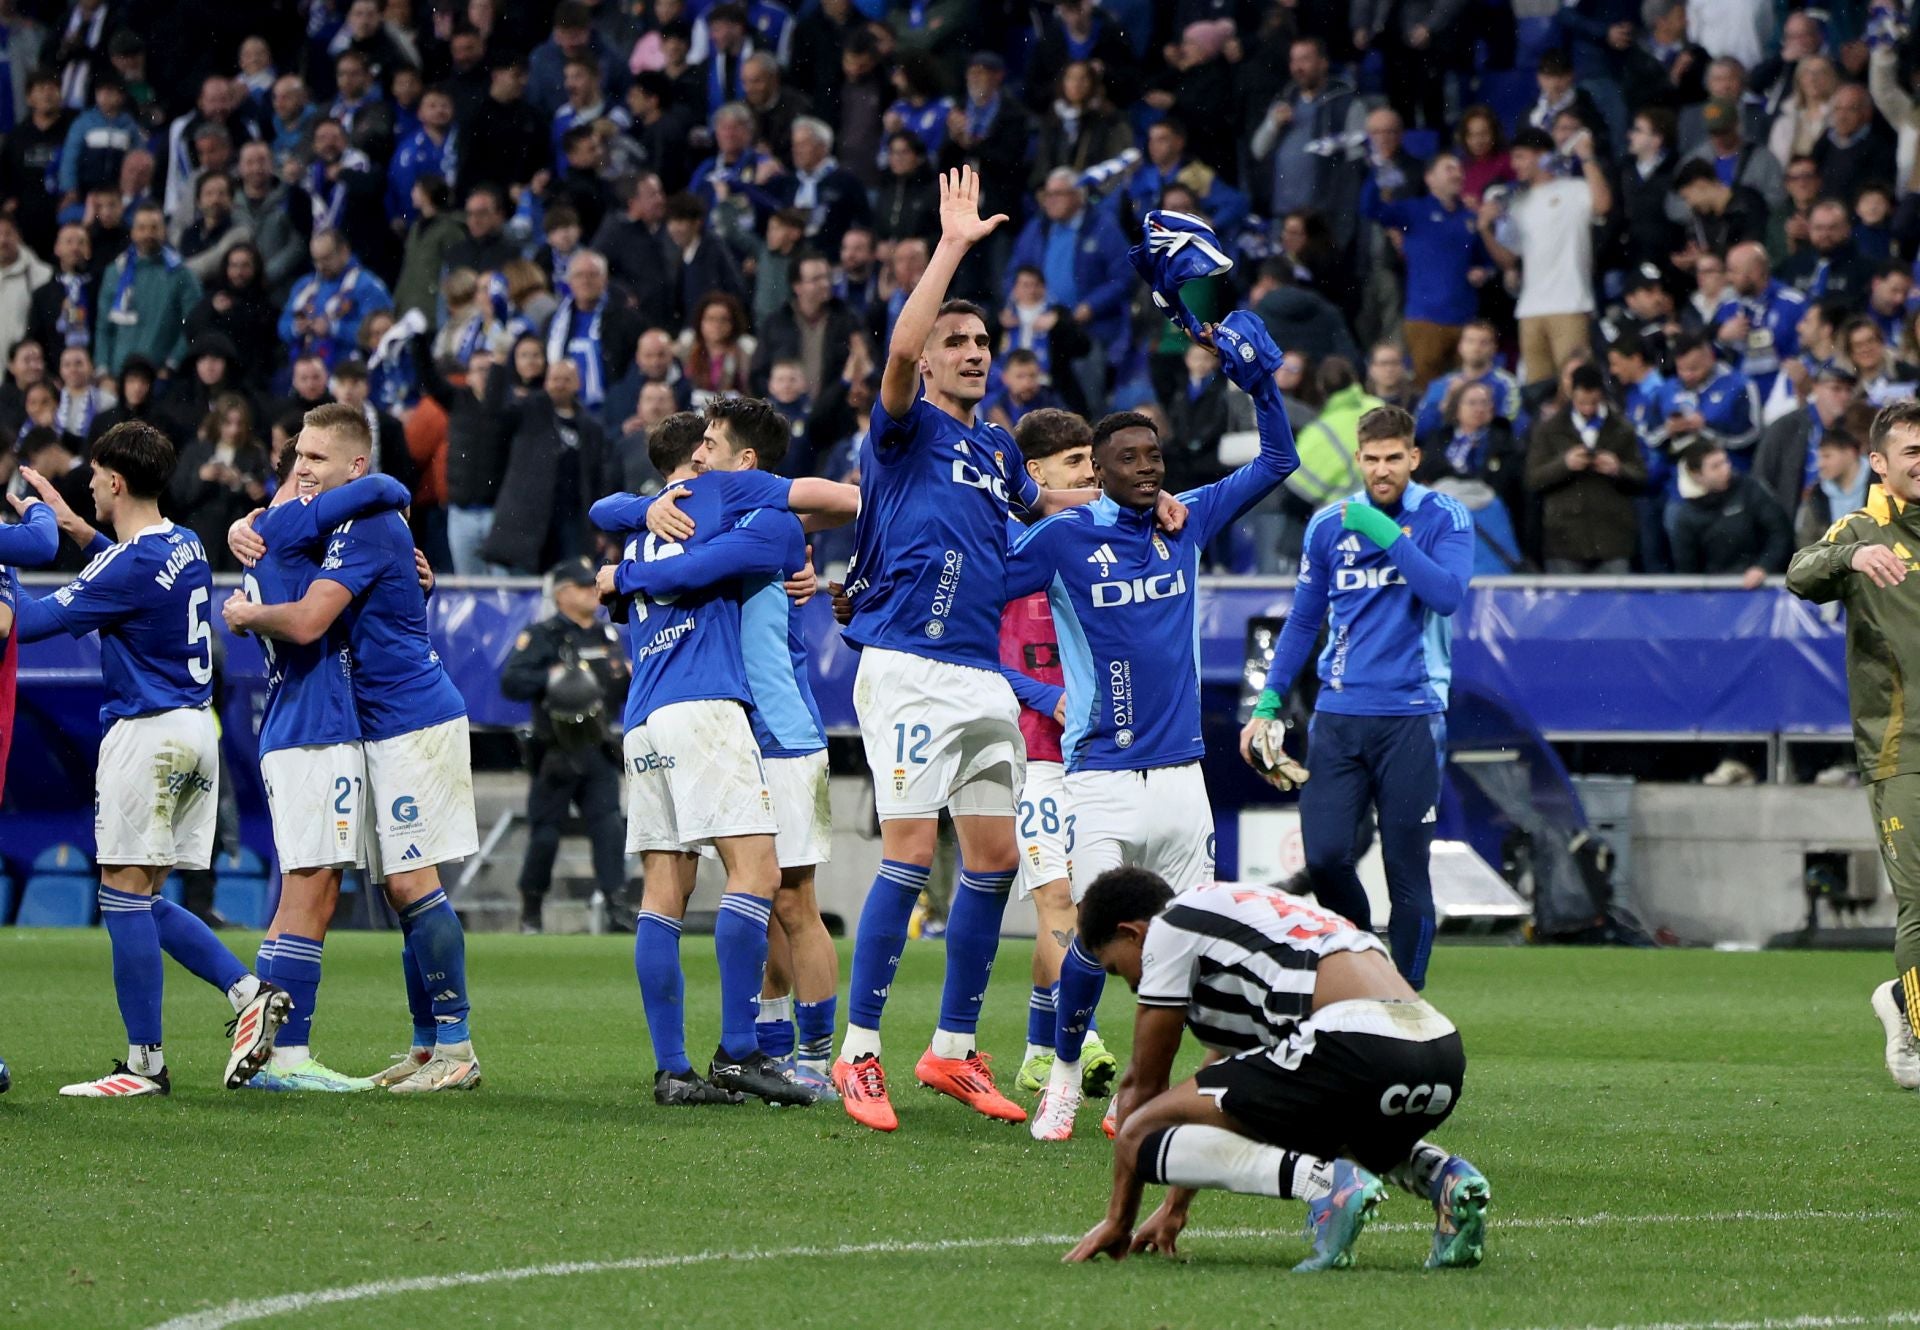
1370	522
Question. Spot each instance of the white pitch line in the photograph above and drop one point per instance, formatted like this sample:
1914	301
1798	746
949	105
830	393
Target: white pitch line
285	1304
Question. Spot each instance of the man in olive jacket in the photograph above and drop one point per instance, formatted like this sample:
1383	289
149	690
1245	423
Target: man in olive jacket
1585	466
1865	561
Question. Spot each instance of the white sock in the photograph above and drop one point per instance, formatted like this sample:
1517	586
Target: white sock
245	990
1197	1156
1037	1051
858	1043
776	1009
145	1059
949	1044
1423	1165
1064	1076
288	1056
460	1052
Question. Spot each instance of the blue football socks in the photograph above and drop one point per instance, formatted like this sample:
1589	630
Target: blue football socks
137	976
881	937
663	989
440	954
1081	983
773	1027
816	1022
296	968
1040	1017
973	939
193	944
740	945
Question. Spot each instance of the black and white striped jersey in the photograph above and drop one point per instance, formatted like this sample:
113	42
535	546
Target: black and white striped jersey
1242	960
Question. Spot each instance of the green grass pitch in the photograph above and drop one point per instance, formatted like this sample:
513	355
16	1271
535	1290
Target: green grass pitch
1673	1137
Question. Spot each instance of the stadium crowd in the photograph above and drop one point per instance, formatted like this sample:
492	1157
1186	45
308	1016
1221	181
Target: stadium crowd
1640	268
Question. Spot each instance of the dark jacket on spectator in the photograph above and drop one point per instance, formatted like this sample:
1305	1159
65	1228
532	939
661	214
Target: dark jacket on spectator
841	204
1000	157
476	455
1644	230
908	206
1583	514
641	260
541	513
1739	528
249	322
1198	423
1097	136
780	340
45	315
504	144
208	507
1843	169
1849	272
1110	52
1501	464
1744	218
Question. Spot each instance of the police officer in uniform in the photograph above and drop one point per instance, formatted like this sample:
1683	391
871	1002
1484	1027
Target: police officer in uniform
572	669
1646	309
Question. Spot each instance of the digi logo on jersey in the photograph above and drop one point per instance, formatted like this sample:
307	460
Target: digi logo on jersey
965	473
1137	590
1367	579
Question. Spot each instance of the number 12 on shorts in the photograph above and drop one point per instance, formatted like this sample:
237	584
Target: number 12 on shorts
910	744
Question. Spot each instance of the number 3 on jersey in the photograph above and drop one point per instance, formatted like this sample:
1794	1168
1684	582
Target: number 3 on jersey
200	635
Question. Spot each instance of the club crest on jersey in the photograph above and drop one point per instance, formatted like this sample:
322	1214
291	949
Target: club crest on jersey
1160	548
899	780
936	630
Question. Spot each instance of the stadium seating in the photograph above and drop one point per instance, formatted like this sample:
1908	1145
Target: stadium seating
241	891
61	891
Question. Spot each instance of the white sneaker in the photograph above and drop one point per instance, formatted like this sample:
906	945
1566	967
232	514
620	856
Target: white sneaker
1053	1119
404	1065
1730	772
1903	1050
252	1030
441	1072
120	1083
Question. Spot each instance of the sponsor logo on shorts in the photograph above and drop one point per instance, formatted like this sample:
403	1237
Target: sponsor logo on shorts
652	762
179	782
1433	1100
405	809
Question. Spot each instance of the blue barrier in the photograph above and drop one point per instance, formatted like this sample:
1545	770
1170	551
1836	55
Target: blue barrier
1574	656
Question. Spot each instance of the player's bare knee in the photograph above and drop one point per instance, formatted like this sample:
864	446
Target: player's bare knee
910	840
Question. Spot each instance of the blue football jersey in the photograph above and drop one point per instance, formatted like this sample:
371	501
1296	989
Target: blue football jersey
1389	647
399	685
683	632
31	542
151	601
1125	607
786	720
928	575
310	685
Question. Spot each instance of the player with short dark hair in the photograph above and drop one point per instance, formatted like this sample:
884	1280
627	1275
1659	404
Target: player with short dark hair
413	723
1125	595
695	771
1323	1069
1386	569
158	772
311	758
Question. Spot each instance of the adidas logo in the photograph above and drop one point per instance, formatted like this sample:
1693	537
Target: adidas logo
413	852
1105	557
1431	817
446	995
1351	545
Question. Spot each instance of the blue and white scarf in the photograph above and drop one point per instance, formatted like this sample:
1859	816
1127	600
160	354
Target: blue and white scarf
72	323
330	200
123	311
723	79
583	348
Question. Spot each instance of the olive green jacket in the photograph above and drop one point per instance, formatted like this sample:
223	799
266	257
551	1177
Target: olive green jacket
1883	628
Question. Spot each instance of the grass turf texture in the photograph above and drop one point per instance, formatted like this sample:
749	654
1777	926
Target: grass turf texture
1687	1086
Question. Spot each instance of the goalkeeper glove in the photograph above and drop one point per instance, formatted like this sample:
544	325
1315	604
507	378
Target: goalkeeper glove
1370	522
1264	748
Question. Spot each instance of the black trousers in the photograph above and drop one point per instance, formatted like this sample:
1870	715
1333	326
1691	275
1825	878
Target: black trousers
589	781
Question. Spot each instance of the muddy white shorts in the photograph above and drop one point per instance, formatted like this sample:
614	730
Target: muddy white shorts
938	735
157	790
694	776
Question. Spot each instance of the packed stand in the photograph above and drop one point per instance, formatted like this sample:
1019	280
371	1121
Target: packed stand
1640	268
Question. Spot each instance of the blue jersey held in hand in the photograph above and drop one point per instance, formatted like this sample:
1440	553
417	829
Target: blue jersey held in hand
928	575
1389	645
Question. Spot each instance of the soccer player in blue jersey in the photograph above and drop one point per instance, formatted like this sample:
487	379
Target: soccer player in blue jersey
1385	569
310	758
413	724
695	771
1124	597
157	784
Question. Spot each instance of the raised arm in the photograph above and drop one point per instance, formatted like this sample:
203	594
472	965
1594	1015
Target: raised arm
1438	580
1217	506
961	228
36	540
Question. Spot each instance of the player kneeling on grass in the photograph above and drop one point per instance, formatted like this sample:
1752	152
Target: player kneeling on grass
158	778
1324	1069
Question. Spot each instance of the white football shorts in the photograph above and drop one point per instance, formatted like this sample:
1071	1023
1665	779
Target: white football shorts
694	776
938	735
317	794
420	798
1159	819
802	809
1045	827
157	790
